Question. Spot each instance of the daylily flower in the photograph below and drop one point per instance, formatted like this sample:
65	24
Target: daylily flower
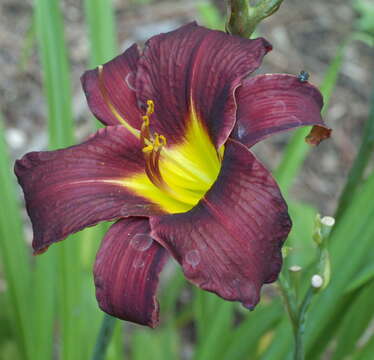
172	166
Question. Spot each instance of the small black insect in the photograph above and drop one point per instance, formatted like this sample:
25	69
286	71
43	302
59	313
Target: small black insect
303	76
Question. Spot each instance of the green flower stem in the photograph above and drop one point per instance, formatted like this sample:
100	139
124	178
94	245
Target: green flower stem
296	313
244	18
104	337
301	320
289	300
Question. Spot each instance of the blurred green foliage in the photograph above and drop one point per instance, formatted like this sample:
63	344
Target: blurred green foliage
365	10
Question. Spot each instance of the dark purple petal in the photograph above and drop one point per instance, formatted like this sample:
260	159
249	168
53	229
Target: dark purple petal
118	79
126	272
194	66
271	103
70	189
230	243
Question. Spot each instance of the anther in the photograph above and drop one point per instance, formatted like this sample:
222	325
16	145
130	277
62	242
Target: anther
152	146
150	107
148	148
145	119
163	140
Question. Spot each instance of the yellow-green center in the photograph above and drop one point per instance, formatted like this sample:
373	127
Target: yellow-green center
186	171
177	177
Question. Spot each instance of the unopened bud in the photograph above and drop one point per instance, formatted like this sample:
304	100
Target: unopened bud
243	17
295	268
328	221
317	281
322	228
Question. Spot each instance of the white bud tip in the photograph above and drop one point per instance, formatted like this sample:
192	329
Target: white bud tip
295	268
328	221
317	281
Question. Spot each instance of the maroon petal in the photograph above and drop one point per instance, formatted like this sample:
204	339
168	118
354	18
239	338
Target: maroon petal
271	103
230	243
194	66
70	189
126	272
118	85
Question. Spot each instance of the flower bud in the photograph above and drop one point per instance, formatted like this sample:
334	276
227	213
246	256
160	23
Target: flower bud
295	268
328	221
317	281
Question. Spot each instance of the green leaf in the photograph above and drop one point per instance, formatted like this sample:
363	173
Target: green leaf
161	344
13	253
362	159
300	238
347	255
349	245
363	277
214	317
355	322
245	338
283	339
56	81
366	351
101	25
210	16
171	292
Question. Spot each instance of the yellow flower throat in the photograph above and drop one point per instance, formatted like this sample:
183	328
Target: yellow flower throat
176	177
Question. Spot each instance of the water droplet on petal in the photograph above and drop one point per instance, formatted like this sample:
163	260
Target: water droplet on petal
193	258
138	263
141	242
241	131
130	81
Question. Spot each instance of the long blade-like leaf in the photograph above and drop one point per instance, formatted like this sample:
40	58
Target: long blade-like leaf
101	26
13	254
56	80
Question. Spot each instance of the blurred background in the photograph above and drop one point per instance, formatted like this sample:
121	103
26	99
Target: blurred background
47	304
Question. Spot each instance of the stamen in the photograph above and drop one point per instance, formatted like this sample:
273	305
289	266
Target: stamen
148	148
111	107
152	146
144	132
150	107
150	170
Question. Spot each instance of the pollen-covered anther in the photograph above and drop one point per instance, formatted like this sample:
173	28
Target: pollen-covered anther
150	107
152	146
145	133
